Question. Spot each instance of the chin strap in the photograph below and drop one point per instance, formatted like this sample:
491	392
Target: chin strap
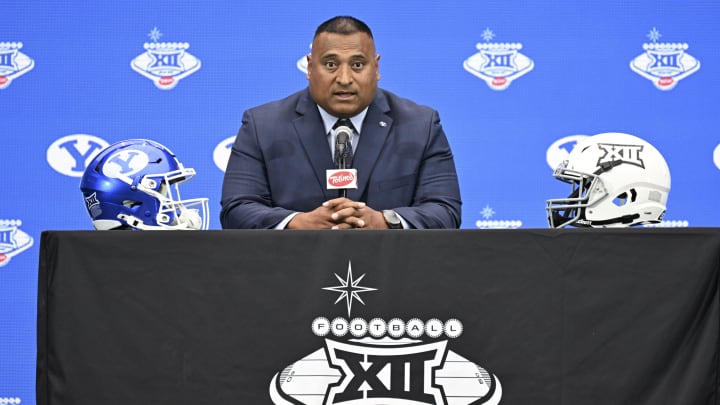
607	166
135	223
189	222
625	219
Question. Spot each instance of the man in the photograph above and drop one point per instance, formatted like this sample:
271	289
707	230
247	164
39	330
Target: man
276	175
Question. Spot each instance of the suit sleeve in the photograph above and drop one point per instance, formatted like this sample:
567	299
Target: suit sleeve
436	203
246	199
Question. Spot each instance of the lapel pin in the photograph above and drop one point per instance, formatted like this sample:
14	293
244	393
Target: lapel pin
383	123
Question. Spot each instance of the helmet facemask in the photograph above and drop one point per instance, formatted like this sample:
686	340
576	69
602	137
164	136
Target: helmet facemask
173	212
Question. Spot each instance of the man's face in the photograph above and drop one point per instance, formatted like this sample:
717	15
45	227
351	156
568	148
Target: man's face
343	72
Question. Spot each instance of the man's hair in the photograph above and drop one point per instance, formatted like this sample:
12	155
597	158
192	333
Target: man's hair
344	25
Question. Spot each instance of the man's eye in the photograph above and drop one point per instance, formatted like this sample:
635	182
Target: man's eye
358	65
330	65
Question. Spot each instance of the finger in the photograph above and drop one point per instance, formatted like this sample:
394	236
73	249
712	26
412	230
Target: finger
354	222
343	214
359	209
335	202
338	204
352	208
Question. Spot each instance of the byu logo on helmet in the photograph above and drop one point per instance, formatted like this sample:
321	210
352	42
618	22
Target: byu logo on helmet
125	162
71	154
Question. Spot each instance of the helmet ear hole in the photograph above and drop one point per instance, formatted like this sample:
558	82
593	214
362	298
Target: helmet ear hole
620	200
627	197
131	203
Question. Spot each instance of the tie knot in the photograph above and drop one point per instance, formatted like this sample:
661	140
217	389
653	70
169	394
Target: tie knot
344	122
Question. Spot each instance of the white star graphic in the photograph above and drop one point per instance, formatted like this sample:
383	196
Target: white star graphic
487	212
349	289
155	34
488	35
654	35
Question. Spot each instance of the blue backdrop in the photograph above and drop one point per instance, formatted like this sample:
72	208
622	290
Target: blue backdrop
516	83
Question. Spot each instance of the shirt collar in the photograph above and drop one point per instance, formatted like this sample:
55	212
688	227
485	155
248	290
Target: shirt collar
329	120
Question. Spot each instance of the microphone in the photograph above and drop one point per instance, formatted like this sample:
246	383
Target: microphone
343	135
342	177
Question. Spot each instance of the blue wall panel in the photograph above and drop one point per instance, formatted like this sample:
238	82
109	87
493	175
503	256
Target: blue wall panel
67	82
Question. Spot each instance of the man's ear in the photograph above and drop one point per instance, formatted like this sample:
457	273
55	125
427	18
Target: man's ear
309	64
377	67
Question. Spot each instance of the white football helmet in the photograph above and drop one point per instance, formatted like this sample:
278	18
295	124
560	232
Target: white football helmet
618	180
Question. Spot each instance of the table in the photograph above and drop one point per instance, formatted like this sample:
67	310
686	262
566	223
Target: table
530	316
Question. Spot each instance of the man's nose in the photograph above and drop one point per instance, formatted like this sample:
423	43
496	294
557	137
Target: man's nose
344	75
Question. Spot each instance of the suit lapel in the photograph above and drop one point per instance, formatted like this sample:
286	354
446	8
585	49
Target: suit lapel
375	130
311	133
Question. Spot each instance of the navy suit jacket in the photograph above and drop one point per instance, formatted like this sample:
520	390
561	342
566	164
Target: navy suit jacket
279	158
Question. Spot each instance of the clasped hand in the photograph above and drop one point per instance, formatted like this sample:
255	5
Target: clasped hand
339	213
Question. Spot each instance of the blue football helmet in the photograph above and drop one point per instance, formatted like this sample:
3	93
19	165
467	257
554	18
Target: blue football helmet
134	184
